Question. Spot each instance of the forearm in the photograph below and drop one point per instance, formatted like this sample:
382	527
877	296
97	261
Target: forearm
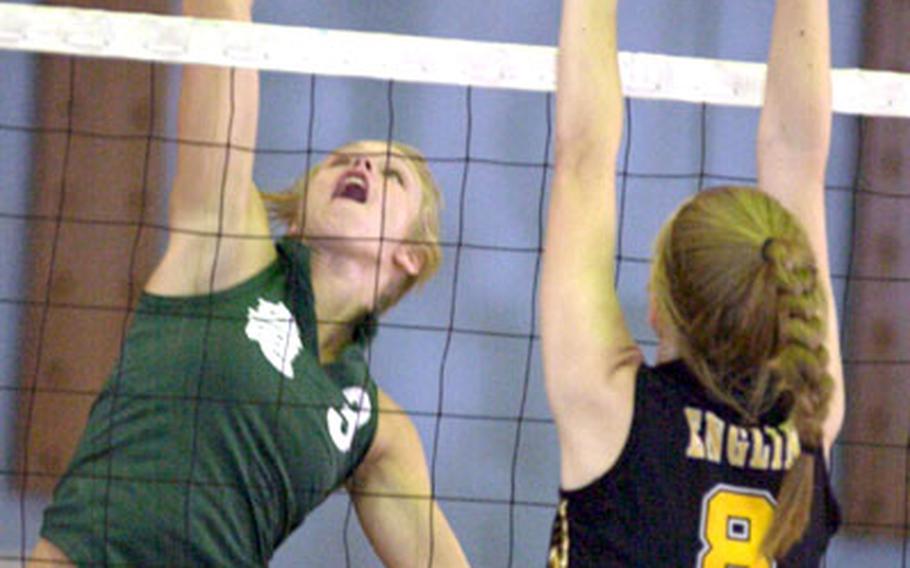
408	530
218	108
219	9
589	99
392	493
797	107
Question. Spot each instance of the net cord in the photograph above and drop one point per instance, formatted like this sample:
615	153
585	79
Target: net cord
403	58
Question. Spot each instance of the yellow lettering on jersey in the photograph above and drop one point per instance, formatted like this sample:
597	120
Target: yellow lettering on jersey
559	540
737	445
761	452
777	448
714	437
696	449
761	448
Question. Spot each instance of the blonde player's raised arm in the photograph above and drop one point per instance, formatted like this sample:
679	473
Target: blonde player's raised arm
590	358
219	230
392	493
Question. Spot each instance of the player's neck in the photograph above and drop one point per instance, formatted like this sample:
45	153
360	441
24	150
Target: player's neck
343	294
666	350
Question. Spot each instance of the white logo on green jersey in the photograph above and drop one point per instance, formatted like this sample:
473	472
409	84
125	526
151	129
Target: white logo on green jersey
273	327
354	413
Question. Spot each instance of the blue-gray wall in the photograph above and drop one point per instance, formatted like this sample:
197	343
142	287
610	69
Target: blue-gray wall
485	374
16	108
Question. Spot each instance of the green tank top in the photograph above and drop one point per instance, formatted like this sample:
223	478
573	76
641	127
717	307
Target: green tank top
218	430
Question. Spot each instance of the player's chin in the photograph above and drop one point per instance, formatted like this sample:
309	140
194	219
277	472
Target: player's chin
357	239
342	222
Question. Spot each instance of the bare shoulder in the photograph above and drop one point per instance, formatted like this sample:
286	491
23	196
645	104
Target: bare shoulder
201	262
396	437
594	433
47	554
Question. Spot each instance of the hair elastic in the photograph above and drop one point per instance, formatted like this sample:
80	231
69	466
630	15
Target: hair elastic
765	247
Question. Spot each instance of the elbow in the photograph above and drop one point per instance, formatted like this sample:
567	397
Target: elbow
574	154
806	132
805	145
566	154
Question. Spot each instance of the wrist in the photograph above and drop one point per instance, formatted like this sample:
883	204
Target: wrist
220	9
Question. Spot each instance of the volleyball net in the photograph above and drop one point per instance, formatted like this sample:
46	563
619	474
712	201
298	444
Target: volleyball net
82	198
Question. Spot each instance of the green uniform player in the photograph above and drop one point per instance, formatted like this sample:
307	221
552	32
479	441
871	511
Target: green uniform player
217	432
242	399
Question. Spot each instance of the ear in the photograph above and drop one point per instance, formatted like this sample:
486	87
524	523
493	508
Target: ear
408	259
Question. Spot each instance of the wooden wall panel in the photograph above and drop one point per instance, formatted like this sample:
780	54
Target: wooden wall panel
96	182
876	481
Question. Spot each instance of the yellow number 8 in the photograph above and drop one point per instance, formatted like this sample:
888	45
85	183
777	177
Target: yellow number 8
734	521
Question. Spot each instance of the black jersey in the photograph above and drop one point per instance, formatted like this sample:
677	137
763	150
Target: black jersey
693	486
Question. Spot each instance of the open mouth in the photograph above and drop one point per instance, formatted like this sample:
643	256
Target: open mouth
353	186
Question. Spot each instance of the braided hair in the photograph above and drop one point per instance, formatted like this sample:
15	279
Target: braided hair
735	278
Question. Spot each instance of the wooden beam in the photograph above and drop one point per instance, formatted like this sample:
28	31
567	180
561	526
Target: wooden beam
96	181
876	483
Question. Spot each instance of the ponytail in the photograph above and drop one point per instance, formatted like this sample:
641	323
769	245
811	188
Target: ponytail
734	276
800	368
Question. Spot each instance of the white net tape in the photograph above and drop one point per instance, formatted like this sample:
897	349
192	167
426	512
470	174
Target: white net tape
97	33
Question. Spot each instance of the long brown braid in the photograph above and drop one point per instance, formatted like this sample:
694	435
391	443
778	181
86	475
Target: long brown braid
735	278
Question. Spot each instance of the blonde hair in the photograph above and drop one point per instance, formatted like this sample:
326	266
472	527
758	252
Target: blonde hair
735	277
286	207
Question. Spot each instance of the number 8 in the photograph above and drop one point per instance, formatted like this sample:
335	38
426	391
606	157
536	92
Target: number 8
734	521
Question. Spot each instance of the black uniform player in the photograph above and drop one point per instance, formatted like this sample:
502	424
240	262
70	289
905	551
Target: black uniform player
717	456
694	486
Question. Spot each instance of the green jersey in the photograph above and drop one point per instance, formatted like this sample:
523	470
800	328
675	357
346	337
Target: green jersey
218	430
